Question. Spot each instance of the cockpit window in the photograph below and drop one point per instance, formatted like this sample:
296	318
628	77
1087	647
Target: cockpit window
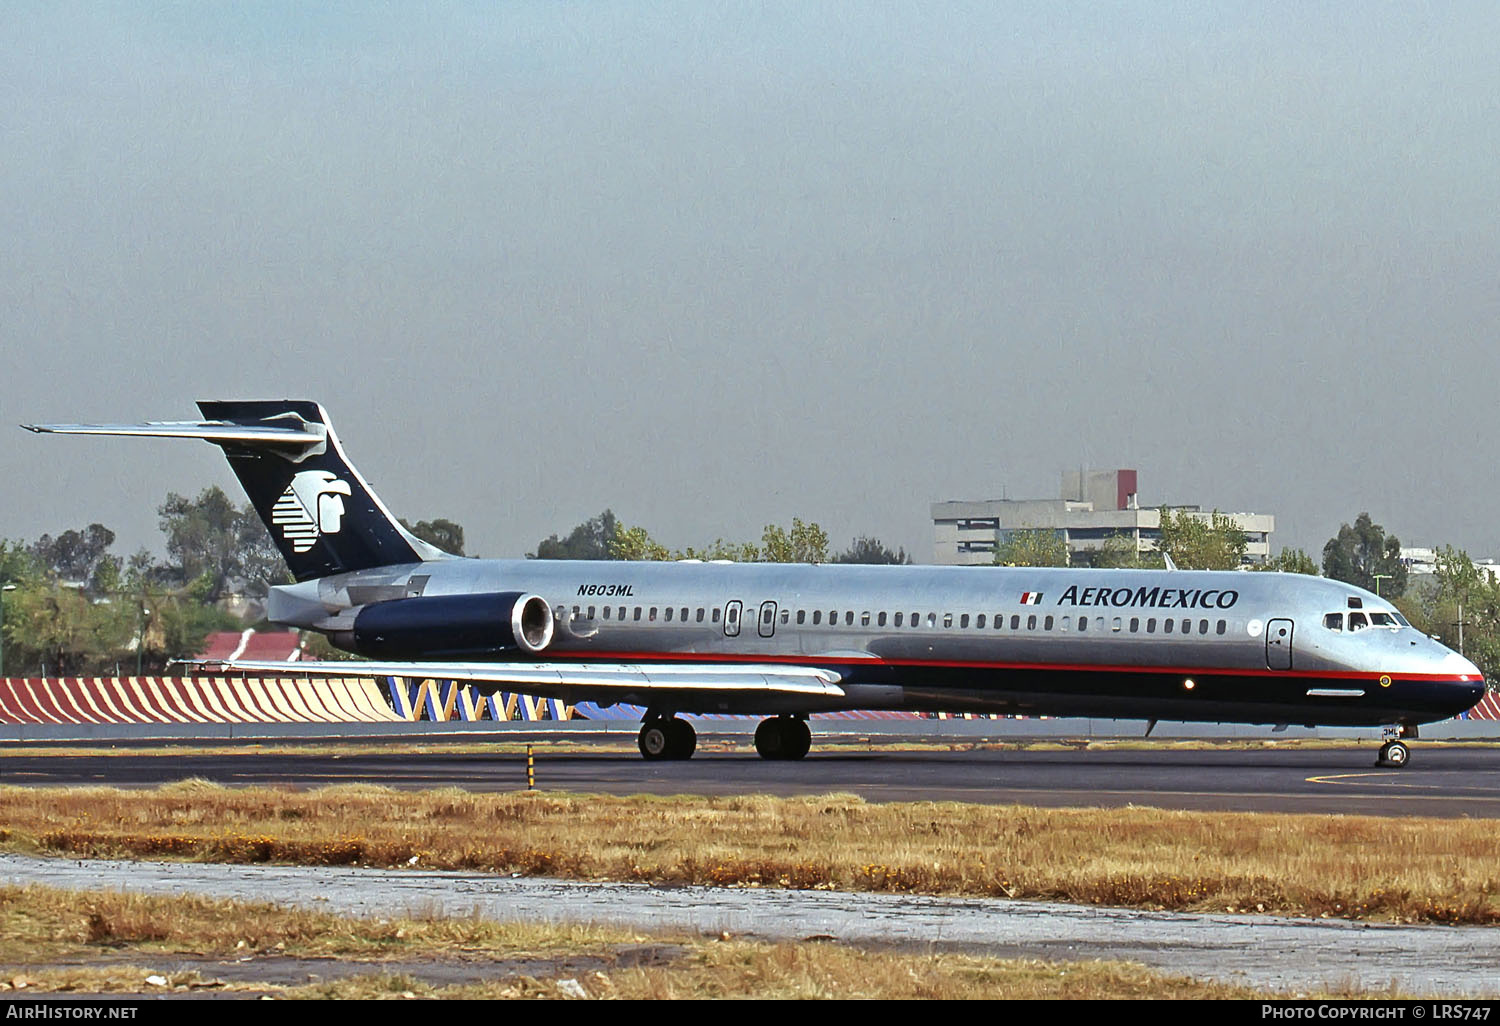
1357	622
1379	619
1334	621
1400	619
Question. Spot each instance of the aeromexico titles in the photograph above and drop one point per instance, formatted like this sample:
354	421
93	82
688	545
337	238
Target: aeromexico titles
787	640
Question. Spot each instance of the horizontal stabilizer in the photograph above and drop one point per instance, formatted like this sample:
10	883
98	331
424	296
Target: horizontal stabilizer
293	434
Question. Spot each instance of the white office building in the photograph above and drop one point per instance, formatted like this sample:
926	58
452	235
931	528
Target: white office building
1094	506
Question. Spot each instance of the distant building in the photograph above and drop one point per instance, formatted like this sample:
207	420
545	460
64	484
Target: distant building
1094	506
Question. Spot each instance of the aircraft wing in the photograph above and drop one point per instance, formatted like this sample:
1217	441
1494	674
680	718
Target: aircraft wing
565	679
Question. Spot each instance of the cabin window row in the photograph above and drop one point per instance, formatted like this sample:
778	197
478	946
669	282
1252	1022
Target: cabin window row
965	621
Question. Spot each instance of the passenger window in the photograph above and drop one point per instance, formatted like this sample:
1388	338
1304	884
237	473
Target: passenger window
979	621
931	619
683	617
947	619
817	617
591	612
1031	622
1135	624
575	613
1047	624
1202	626
1116	625
999	620
1357	622
963	621
1015	623
1083	624
864	618
898	619
621	614
699	617
767	615
716	614
652	614
606	612
801	616
881	621
1150	625
637	613
668	615
786	617
1220	628
849	618
1166	626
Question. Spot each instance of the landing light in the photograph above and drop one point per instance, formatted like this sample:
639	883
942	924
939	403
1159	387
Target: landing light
1189	684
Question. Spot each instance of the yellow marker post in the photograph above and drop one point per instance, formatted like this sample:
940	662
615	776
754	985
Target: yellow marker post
530	770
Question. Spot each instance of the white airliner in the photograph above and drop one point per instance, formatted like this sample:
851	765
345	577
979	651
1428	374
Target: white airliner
784	641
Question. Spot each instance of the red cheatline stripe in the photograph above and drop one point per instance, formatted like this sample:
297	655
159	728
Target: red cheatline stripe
980	664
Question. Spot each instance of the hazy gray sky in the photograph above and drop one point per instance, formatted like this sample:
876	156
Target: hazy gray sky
717	265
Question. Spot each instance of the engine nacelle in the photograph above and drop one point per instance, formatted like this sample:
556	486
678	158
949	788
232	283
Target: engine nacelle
447	626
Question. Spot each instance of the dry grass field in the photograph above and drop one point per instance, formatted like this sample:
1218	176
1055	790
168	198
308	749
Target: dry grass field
1415	870
104	943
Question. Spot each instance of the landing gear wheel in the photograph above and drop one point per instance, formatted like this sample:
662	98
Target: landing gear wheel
664	737
684	738
1394	754
783	738
655	739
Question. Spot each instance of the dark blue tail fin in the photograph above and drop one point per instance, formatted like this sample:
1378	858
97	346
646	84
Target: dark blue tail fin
322	515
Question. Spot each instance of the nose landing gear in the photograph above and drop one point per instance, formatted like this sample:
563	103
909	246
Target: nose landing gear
1394	753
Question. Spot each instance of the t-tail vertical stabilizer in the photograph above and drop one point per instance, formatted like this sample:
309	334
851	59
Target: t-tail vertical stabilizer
322	515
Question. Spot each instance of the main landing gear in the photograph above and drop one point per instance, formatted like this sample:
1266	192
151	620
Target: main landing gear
783	738
1394	753
667	737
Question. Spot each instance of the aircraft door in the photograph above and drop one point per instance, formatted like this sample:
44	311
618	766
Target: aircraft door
1279	645
767	624
732	619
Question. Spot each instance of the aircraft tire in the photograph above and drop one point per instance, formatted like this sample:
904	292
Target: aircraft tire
782	738
1394	754
655	739
684	738
798	739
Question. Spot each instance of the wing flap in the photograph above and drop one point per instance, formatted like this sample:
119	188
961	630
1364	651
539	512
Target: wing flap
702	678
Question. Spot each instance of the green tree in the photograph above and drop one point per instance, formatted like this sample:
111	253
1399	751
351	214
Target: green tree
1196	543
1463	592
1291	561
1032	547
78	556
867	550
209	537
445	534
593	539
1118	551
1356	555
804	543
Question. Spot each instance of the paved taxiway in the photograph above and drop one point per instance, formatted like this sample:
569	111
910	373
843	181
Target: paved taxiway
1442	780
1263	951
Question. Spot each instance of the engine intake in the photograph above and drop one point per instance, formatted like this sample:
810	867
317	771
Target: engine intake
453	625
